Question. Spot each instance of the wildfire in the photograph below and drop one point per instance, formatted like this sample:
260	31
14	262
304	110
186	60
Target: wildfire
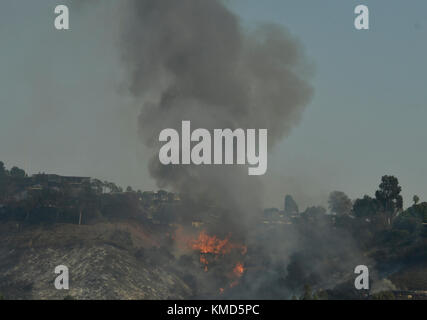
212	244
207	244
204	261
238	269
238	272
211	249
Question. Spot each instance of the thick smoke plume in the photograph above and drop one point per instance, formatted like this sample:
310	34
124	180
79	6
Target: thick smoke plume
191	60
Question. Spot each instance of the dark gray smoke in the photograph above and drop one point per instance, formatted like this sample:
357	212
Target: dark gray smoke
192	60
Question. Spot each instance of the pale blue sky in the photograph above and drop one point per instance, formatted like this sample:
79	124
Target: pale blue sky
63	110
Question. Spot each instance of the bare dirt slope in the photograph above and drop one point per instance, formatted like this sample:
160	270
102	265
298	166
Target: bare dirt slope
105	260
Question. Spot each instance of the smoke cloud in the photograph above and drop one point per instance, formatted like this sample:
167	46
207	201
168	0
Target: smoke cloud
192	60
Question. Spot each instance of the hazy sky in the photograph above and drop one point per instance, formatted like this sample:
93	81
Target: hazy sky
64	107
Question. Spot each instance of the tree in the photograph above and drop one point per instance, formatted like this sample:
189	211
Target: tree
3	178
366	207
416	199
389	197
291	207
17	173
315	214
2	169
418	211
113	187
315	211
339	203
98	185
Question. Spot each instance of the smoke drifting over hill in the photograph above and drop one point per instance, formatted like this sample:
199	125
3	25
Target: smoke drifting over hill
191	60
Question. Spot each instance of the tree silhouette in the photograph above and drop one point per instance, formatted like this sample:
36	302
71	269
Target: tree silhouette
2	169
389	197
416	199
339	203
17	172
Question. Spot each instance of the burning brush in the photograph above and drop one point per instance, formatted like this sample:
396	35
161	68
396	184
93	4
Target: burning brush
223	254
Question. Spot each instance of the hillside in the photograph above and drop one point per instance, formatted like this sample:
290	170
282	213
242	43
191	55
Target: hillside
162	245
104	262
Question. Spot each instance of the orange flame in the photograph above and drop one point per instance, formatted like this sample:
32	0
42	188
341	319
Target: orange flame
212	244
210	248
207	244
238	269
204	261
